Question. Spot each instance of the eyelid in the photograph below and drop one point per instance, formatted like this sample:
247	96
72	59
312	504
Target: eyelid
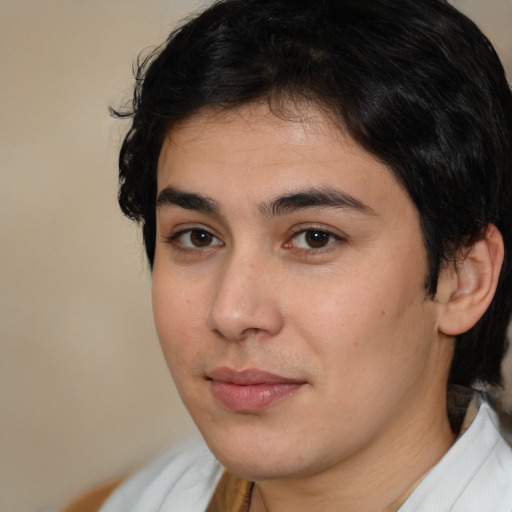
300	228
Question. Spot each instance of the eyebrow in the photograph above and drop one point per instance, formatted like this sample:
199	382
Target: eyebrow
326	197
187	200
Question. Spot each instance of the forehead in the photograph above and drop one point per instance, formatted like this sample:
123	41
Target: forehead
250	155
258	127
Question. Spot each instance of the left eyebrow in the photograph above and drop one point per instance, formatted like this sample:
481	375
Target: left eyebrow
189	201
314	198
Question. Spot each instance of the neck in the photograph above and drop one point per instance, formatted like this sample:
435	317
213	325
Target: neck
374	479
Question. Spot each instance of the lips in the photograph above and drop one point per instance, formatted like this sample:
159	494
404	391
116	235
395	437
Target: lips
250	390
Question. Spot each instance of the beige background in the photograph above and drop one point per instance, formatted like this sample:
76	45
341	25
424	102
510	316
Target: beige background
84	393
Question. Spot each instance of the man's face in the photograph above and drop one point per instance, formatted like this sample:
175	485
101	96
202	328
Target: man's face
288	295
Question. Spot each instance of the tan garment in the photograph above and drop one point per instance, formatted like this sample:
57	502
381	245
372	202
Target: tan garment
93	500
231	495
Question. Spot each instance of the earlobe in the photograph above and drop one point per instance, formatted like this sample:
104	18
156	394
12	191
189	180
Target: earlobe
466	290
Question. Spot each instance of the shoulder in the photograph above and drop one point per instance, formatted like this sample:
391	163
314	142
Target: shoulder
183	478
490	482
475	475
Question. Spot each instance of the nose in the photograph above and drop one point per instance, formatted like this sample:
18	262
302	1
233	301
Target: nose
246	300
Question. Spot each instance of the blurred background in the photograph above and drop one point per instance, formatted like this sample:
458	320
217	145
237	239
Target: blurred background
85	395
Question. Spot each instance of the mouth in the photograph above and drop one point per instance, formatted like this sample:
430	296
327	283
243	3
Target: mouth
250	390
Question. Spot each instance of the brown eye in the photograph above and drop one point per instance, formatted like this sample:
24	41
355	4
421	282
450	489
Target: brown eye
200	238
195	239
314	239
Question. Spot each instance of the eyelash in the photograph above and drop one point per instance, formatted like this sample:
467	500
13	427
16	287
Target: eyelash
332	238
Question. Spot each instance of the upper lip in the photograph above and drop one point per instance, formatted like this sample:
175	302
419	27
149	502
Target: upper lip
250	376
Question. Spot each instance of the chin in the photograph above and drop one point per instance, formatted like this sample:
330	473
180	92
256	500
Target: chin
257	458
256	470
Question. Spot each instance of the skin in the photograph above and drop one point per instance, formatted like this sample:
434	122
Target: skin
330	296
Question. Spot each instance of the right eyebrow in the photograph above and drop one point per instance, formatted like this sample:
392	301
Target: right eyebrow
172	197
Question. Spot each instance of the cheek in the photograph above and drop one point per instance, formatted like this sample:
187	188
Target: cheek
366	320
178	320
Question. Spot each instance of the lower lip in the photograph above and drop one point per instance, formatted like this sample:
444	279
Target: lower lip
254	397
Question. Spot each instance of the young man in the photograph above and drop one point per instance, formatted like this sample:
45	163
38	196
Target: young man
325	190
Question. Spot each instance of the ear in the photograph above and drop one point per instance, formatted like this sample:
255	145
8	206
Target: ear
465	292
